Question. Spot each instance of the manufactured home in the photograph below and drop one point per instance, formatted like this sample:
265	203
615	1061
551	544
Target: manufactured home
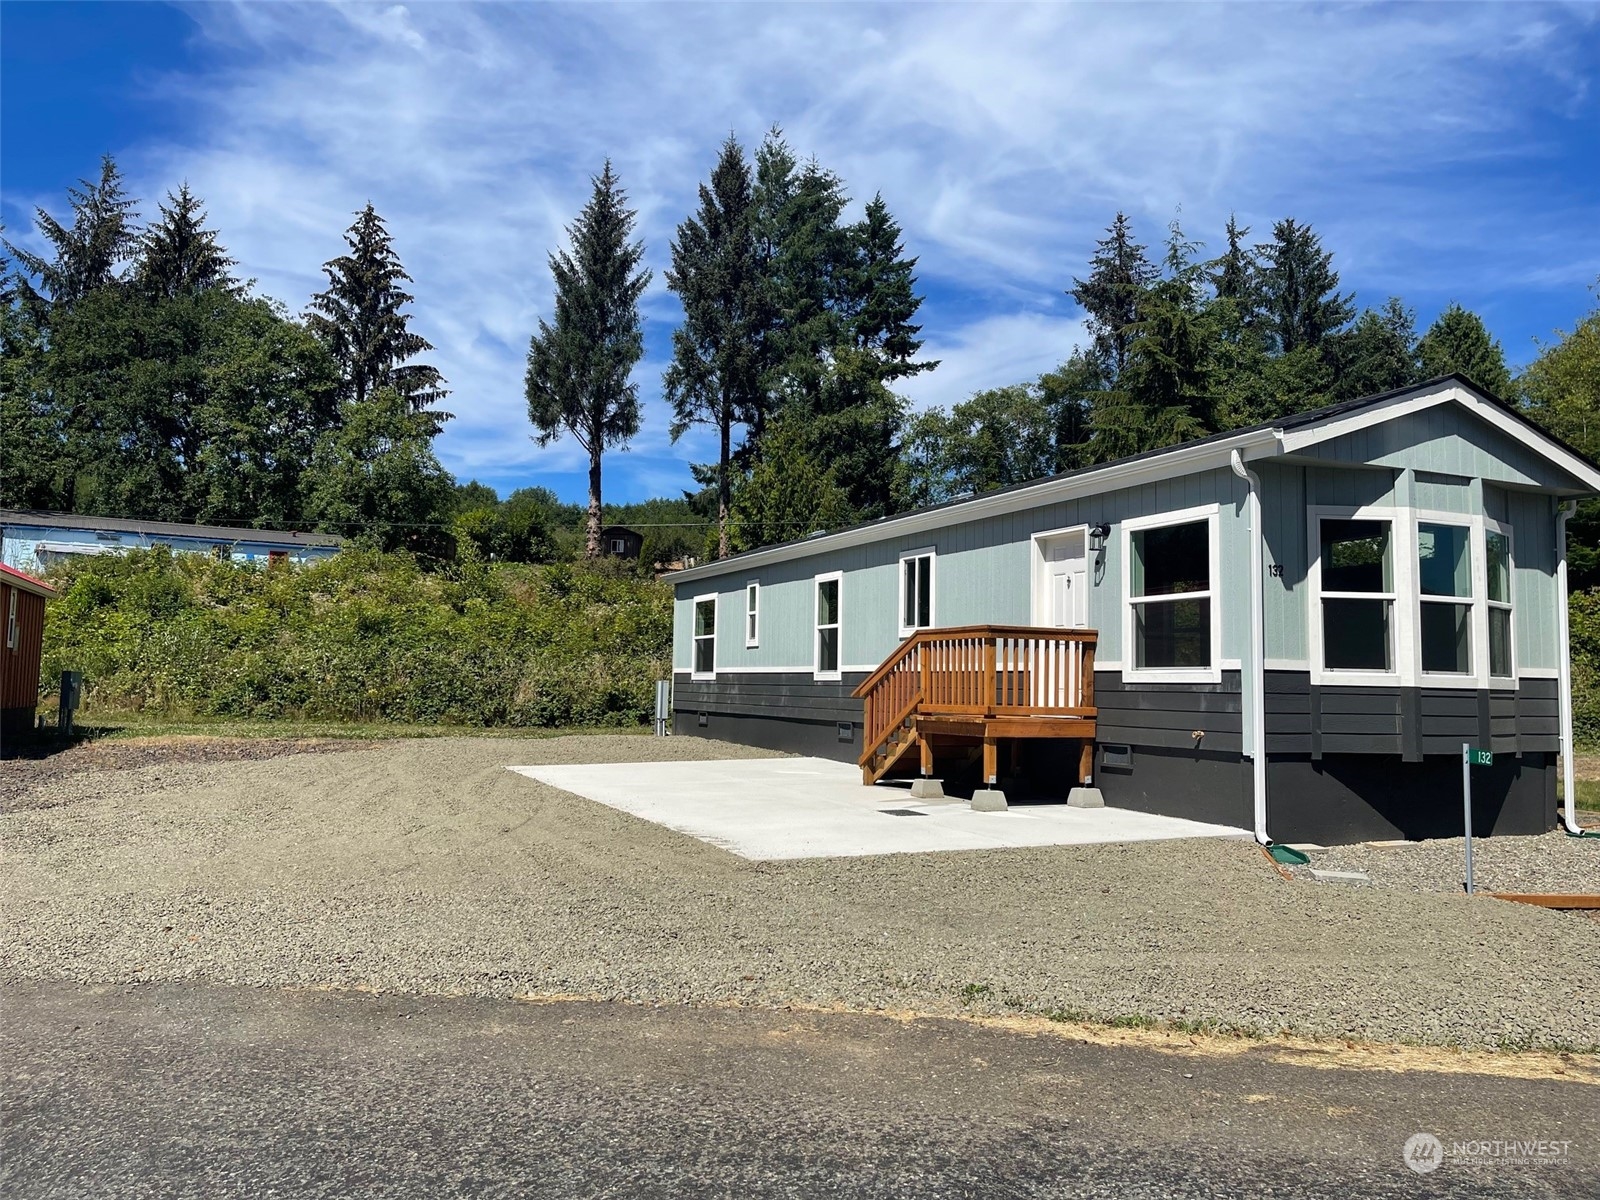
34	540
1292	628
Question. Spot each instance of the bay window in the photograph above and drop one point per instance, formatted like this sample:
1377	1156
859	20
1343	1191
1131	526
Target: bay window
1400	597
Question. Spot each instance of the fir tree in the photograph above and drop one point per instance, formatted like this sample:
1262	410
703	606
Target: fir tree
1378	353
178	255
1300	295
360	319
719	353
1459	342
87	254
578	368
1119	273
881	300
1233	274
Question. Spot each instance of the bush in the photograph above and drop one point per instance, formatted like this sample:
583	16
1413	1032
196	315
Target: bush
362	636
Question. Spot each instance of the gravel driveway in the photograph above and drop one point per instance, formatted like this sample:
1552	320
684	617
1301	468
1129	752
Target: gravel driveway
426	866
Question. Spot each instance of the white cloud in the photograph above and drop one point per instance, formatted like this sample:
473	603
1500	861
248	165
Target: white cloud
991	352
1002	138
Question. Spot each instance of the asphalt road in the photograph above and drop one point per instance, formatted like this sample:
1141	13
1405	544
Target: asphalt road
175	1090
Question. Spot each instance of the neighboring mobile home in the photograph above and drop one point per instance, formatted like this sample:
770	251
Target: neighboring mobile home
32	539
1292	627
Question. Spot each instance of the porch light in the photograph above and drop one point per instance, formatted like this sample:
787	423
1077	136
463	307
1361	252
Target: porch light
1098	535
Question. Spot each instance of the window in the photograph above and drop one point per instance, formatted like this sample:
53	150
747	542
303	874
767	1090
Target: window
11	620
1444	585
916	592
1172	624
1497	556
1356	559
704	664
827	644
619	546
752	614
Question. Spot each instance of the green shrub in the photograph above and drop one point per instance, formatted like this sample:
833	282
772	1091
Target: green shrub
362	636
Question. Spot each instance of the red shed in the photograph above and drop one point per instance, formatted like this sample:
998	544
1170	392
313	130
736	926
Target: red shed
22	600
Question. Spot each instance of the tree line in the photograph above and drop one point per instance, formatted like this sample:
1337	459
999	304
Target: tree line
141	377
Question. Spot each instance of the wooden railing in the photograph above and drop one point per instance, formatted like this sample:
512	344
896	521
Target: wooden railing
982	671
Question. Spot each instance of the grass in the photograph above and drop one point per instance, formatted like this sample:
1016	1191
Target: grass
121	726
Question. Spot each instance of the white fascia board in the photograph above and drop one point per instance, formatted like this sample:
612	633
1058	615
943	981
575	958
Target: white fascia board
1487	411
1182	460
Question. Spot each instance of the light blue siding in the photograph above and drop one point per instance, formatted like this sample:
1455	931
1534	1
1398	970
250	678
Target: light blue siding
983	574
1443	459
1447	439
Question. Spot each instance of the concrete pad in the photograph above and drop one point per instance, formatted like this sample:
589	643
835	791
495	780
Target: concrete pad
989	800
785	808
927	789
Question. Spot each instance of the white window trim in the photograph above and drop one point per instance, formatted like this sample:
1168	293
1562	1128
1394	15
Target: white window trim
932	555
11	619
752	614
1408	599
1509	603
1402	534
1131	672
1478	628
694	640
817	673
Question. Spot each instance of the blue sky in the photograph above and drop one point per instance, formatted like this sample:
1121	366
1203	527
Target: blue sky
1444	153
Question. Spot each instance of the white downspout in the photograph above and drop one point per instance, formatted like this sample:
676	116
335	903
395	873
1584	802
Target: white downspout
1569	784
1258	652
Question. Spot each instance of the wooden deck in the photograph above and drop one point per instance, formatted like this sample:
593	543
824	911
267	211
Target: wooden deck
948	689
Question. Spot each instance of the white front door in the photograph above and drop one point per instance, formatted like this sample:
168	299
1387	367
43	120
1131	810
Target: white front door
1062	599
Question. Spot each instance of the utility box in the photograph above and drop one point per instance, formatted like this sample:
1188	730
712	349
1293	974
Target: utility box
663	707
71	697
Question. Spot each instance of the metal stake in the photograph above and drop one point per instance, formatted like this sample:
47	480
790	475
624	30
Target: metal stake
1466	804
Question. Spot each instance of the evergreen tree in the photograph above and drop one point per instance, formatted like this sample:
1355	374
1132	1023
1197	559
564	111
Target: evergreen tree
1119	273
720	352
1300	295
1459	342
1378	353
178	255
881	298
375	479
1233	274
360	319
578	368
1068	393
1168	369
87	254
790	493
